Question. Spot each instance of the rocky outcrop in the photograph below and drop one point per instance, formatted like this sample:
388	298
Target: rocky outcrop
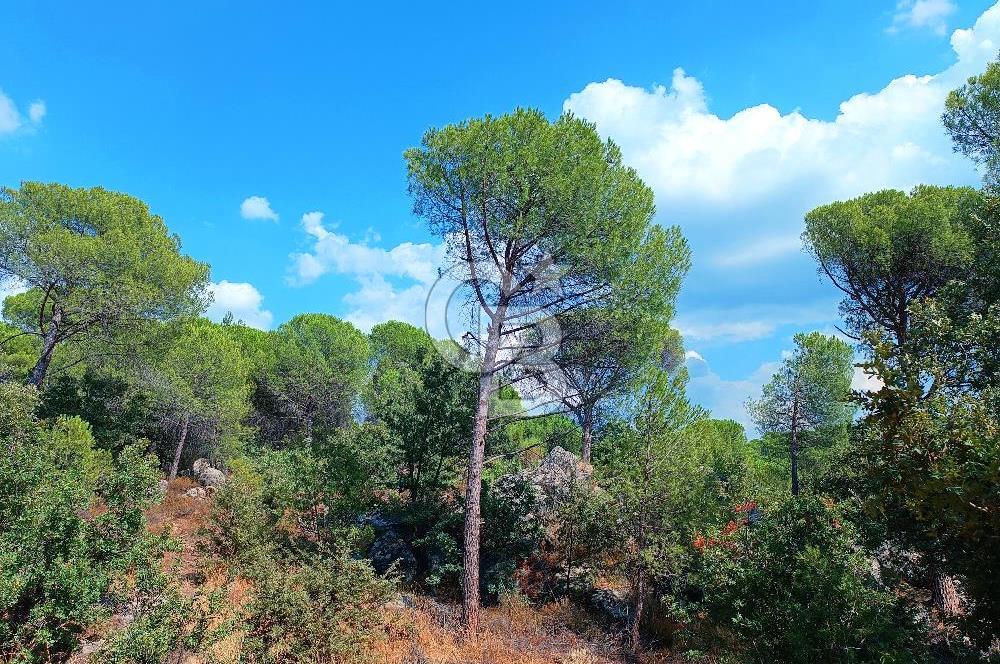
389	548
549	484
206	475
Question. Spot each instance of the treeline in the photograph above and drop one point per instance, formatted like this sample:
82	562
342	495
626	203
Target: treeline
859	527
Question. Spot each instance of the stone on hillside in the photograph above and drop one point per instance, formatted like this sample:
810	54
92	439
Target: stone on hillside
207	475
555	477
390	548
610	603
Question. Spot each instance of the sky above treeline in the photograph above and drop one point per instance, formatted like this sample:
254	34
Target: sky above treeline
270	136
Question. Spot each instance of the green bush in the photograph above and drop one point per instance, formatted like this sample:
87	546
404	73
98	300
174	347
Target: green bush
72	528
310	599
795	587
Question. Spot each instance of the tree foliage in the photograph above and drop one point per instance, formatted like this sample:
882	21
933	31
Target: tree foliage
96	264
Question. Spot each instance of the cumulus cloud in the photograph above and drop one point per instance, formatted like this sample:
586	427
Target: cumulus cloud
242	300
749	322
922	14
863	381
392	283
740	185
257	207
726	399
11	119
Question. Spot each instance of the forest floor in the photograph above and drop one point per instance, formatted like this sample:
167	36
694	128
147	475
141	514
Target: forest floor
420	629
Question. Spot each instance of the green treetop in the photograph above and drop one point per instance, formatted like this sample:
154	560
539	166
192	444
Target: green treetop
96	264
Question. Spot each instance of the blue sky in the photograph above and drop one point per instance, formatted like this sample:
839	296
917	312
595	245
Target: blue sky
741	117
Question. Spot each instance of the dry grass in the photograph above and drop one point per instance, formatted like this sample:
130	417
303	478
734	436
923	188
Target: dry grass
509	634
429	632
183	518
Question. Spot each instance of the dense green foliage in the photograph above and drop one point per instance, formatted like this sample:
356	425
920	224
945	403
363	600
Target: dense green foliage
346	466
72	528
51	239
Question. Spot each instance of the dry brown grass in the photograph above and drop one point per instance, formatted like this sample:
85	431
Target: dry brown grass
509	634
429	632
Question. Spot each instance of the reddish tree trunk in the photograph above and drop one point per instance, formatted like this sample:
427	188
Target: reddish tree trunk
37	376
180	447
945	595
588	433
474	480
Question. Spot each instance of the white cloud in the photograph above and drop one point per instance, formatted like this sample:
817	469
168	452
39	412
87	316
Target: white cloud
37	111
740	185
759	251
241	299
862	381
257	207
748	322
11	119
693	355
377	298
929	14
726	399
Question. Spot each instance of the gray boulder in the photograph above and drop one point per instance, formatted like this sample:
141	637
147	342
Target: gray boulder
611	604
557	476
390	548
207	475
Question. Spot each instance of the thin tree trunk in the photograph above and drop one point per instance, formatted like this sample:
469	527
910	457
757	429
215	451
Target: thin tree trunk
180	447
37	376
794	448
474	478
640	605
588	433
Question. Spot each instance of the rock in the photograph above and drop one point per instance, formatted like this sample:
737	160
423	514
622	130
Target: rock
390	548
379	521
163	486
199	466
88	648
196	492
558	473
610	603
207	475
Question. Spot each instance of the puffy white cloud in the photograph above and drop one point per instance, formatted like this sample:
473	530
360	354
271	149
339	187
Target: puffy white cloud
726	399
241	299
37	111
336	253
392	283
739	185
928	14
257	207
862	381
11	119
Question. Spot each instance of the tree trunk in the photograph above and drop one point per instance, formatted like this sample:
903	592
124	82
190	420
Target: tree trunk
945	595
640	604
180	447
588	433
37	376
794	447
474	480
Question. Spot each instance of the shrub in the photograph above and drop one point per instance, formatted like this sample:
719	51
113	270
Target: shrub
309	599
795	587
71	527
